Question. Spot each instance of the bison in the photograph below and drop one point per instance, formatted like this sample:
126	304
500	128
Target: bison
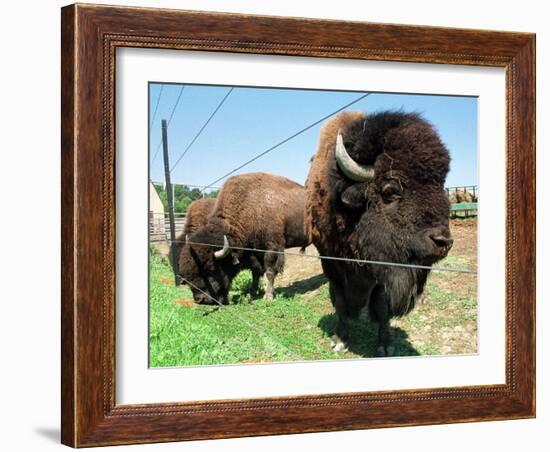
375	192
461	195
255	210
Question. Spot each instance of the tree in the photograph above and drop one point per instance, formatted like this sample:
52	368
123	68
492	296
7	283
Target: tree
195	194
183	196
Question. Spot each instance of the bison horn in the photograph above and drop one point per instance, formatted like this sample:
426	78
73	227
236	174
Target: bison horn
220	254
352	169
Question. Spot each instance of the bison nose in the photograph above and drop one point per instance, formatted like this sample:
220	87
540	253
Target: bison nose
441	241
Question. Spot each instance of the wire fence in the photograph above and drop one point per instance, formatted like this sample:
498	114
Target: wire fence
333	258
181	215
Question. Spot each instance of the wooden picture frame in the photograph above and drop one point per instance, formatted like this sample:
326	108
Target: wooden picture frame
90	36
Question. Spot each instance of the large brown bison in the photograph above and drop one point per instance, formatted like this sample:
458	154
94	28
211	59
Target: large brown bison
375	191
255	210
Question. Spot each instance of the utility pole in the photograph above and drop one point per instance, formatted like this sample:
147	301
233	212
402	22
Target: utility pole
170	196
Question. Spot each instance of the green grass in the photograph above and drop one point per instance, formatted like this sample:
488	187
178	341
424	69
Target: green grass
248	331
296	325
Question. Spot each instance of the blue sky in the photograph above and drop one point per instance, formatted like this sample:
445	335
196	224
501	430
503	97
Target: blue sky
254	119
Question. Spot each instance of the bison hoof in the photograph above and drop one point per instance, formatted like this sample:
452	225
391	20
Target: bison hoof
384	351
338	346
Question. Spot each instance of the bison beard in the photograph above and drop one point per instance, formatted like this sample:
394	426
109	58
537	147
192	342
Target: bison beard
375	191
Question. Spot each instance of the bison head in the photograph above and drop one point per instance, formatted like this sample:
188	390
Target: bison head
207	265
387	181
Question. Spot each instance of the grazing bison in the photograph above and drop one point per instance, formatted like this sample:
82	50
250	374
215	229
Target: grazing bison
255	210
375	191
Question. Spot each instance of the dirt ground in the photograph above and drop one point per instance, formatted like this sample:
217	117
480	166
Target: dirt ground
464	233
299	267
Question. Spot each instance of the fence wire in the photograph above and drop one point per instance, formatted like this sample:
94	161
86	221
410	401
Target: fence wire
334	258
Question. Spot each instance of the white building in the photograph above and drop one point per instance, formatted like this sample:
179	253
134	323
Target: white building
156	213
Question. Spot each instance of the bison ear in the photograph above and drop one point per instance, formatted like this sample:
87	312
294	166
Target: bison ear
355	196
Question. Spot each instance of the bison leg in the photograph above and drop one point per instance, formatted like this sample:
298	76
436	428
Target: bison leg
381	307
270	280
274	263
255	283
337	296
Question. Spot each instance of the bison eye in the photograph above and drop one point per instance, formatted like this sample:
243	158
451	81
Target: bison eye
391	193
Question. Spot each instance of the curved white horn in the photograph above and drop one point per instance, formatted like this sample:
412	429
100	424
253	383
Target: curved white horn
220	254
352	169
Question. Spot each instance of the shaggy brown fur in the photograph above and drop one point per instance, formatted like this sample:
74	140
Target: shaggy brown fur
323	221
197	214
196	217
255	210
400	216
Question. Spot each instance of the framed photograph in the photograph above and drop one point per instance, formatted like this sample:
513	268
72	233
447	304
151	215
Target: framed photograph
282	225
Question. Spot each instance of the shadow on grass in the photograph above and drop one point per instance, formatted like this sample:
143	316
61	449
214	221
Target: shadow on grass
241	293
363	338
302	286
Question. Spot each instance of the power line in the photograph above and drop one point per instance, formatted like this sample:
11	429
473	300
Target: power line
169	120
201	129
156	107
175	105
287	140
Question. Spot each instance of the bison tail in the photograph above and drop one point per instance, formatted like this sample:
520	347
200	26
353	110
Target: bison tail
303	250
